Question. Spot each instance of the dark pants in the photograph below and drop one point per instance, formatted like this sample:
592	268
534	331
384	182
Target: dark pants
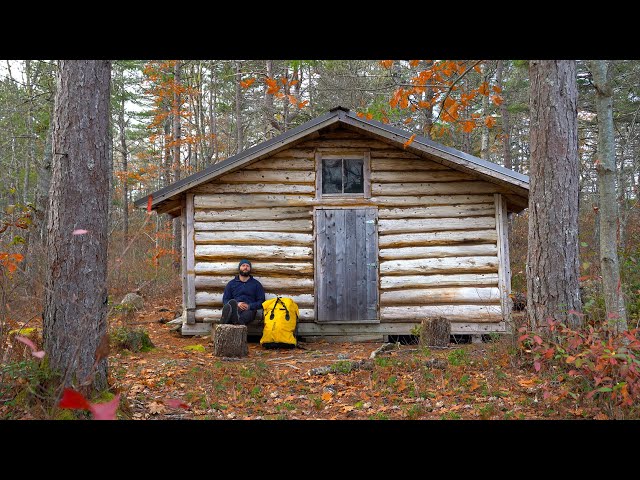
246	316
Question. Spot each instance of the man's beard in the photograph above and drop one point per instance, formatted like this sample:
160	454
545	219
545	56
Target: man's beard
244	274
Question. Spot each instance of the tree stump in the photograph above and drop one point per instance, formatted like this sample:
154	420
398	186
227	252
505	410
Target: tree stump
435	332
230	340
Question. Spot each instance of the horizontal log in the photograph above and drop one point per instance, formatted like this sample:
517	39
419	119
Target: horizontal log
213	252
279	162
271	176
251	188
295	153
283	285
431	296
305	314
422	281
419	225
454	313
256	226
285	213
442	188
437	238
427	200
258	268
254	238
407	163
411	176
223	200
215	299
340	134
440	265
395	153
439	251
438	211
360	143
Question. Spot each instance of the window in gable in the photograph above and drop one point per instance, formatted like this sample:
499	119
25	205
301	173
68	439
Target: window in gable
343	175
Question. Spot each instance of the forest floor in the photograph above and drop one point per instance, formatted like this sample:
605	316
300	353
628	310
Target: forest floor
180	378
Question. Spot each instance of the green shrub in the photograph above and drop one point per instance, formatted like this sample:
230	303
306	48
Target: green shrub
132	339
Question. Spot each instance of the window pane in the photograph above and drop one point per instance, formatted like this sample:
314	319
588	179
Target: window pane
353	178
332	176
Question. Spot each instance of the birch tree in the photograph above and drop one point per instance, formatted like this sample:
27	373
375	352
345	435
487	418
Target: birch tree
608	211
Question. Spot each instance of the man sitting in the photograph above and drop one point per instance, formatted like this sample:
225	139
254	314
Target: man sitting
243	297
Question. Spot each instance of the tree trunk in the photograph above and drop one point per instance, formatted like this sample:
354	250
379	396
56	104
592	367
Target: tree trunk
239	138
606	168
484	130
271	127
213	125
75	310
552	257
35	259
504	113
176	137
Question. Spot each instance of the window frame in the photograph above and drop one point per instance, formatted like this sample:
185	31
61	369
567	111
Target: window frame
333	154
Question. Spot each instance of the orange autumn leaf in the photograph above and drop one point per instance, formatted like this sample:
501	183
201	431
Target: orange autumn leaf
292	100
468	126
386	63
360	114
477	68
497	89
410	141
326	396
484	88
303	104
408	120
369	116
247	83
424	104
272	85
490	122
414	63
497	99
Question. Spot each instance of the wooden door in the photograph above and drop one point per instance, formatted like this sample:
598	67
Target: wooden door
346	269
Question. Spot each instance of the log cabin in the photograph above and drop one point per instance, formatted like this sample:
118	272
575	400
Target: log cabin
367	232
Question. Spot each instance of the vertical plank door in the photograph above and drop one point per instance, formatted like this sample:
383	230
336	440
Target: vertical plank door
346	265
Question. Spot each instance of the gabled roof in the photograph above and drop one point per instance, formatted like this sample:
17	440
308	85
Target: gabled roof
517	184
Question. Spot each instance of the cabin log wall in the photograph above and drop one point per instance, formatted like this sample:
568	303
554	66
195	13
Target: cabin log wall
440	236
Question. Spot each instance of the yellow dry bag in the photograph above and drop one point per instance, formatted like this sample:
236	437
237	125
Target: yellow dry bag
280	323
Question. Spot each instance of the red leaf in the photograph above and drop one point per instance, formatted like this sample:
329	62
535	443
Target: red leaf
537	365
74	400
149	200
537	339
107	410
175	403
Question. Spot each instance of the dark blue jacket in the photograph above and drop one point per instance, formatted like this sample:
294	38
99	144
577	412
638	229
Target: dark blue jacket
250	292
